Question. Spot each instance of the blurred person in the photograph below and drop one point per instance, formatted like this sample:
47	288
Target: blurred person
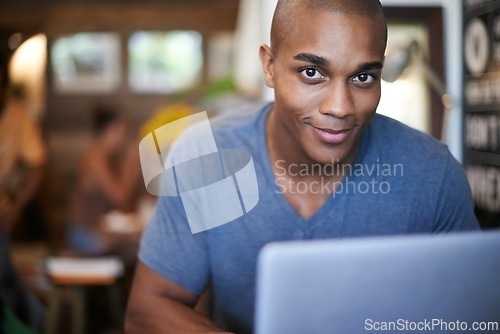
106	181
22	154
324	64
22	157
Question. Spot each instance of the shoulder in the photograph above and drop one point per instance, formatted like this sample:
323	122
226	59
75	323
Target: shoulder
246	120
424	159
397	140
428	175
91	163
232	130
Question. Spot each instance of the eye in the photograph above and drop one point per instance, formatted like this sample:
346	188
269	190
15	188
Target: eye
363	78
311	73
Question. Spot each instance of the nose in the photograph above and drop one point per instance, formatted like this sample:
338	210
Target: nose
337	101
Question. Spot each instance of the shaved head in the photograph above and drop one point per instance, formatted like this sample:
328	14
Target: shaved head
287	10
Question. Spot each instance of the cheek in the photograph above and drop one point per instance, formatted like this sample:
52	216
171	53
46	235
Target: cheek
366	103
295	97
293	107
287	98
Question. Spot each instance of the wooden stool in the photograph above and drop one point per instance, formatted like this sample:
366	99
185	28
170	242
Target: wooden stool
75	275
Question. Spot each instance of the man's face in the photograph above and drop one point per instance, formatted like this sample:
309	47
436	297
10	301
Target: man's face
326	76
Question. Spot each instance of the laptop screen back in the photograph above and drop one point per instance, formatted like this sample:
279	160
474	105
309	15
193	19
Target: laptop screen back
418	284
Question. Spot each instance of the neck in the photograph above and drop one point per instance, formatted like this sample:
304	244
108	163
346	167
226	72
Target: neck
305	184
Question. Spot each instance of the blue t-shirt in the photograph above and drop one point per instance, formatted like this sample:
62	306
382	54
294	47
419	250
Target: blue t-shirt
402	182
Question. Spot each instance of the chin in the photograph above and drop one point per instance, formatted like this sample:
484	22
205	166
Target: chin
327	156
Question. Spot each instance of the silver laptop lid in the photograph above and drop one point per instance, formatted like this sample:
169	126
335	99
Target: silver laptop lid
420	284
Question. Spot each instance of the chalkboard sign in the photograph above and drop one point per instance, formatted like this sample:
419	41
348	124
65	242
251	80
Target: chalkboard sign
482	106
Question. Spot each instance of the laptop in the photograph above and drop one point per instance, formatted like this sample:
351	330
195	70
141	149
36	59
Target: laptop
444	283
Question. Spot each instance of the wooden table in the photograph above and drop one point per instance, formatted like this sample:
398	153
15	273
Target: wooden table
75	275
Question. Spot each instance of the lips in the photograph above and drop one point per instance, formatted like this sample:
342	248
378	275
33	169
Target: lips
331	136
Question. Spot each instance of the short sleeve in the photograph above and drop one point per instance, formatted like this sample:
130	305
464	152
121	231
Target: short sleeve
169	248
455	208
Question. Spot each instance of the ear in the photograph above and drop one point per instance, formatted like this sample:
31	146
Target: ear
267	60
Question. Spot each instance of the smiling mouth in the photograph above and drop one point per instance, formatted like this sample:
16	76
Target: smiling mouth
331	136
334	132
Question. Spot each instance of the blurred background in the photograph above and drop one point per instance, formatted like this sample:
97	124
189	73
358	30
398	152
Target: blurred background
76	66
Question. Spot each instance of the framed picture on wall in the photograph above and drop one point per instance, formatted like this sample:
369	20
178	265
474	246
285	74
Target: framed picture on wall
86	63
164	62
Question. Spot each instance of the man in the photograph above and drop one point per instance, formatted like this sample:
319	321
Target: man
326	166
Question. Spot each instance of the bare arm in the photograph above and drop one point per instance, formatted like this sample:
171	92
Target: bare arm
158	305
118	186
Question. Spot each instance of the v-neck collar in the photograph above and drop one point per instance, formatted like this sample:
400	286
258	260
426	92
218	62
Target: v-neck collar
270	178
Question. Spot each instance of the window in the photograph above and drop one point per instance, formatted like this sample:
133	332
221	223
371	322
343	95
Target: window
407	99
86	63
164	62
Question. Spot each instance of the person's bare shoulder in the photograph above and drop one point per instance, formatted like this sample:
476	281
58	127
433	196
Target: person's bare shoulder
90	165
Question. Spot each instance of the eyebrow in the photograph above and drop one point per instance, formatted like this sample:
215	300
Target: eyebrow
310	58
374	65
318	60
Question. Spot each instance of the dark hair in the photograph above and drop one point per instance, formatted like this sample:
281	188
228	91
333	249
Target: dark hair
103	116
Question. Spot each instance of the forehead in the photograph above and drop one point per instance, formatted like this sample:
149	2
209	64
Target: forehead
334	35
